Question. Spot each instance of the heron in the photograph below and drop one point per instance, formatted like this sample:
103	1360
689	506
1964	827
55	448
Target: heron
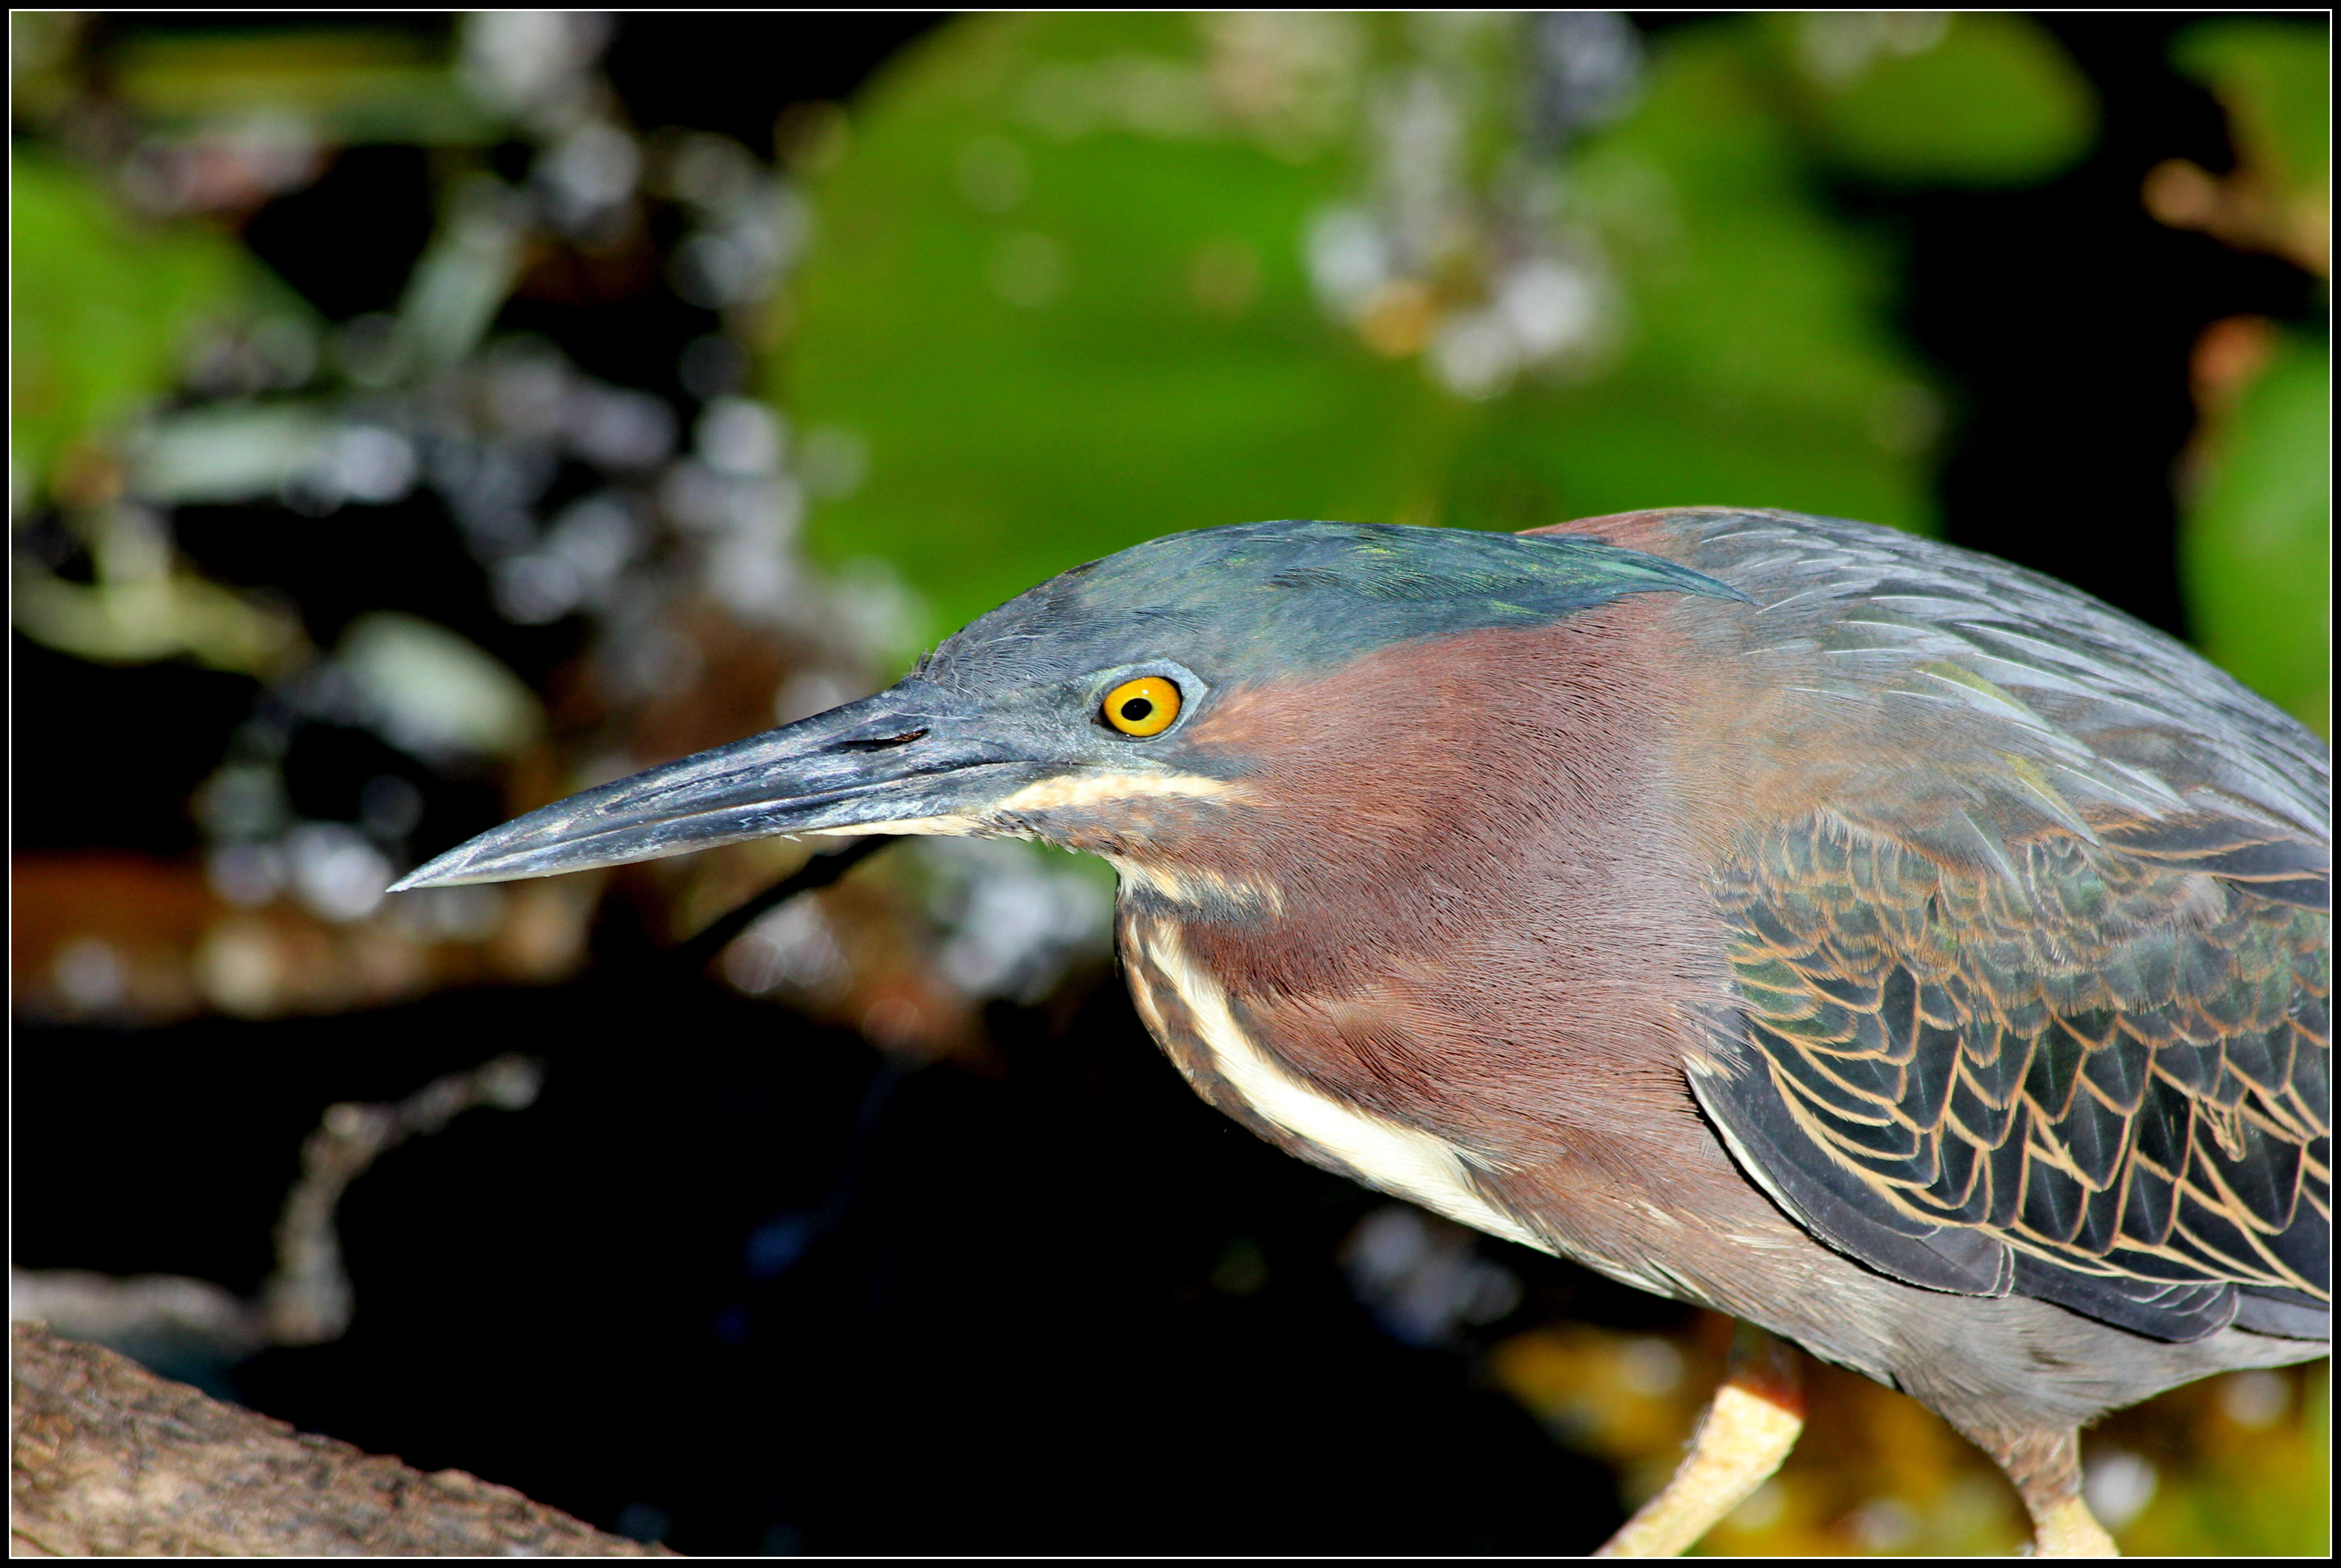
1899	951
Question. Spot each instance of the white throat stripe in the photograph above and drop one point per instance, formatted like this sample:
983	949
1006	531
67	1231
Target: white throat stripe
1404	1161
1096	788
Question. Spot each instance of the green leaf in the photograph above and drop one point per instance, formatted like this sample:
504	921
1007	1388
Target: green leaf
1760	368
2273	78
1981	98
2255	545
1036	381
101	308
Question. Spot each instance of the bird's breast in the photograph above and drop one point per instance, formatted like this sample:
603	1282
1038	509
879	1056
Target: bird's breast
1190	1014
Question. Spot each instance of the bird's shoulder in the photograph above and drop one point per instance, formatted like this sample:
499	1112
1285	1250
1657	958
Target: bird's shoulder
1961	701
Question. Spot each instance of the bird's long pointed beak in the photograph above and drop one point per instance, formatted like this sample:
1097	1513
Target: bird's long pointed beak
906	761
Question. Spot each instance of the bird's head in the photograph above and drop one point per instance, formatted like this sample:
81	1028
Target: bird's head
1118	707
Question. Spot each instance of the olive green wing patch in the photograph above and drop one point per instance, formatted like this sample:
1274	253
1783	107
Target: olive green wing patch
2101	1081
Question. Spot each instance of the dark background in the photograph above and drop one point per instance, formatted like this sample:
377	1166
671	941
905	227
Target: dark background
738	1282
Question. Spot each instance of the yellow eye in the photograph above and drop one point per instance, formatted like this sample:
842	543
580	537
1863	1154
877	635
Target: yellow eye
1142	707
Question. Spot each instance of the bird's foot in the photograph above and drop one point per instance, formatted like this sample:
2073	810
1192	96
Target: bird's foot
1748	1429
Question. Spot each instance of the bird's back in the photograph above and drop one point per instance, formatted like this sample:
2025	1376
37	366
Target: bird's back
1914	646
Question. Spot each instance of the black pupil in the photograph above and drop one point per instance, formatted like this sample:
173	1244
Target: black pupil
1137	708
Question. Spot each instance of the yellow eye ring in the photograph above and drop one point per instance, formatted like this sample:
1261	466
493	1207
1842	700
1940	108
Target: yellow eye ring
1146	706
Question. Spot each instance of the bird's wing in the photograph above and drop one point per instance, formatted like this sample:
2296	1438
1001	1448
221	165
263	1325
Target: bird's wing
2028	910
2102	1082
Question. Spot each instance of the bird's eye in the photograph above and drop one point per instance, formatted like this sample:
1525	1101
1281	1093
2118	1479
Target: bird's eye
1143	707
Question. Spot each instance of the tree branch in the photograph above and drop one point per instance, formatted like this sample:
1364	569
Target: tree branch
106	1459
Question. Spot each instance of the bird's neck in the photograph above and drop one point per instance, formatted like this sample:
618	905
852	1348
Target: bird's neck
1456	880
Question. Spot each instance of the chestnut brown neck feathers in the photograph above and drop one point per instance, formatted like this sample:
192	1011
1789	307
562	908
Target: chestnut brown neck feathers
1451	884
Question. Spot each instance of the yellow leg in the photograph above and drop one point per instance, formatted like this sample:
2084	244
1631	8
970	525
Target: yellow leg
2068	1529
2046	1466
1747	1430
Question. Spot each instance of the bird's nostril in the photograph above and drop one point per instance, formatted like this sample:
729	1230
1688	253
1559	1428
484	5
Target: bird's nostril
881	742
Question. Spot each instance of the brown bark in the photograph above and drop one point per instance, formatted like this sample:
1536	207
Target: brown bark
107	1459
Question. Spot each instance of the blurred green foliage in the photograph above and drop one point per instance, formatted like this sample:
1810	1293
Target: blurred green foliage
1926	97
2256	540
2275	80
352	86
1180	374
102	307
1007	440
2255	547
1759	367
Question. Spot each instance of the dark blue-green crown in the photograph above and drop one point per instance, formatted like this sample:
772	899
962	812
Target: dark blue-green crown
1260	600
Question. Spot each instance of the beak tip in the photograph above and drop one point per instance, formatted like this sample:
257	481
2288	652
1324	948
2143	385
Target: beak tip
446	868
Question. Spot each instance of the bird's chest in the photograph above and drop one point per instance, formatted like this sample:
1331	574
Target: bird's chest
1224	1058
